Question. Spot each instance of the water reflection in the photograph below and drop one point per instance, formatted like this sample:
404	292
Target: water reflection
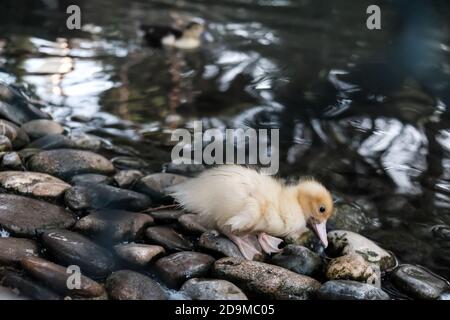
364	111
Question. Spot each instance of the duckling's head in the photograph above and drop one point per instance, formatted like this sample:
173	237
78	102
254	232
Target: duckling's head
317	205
194	30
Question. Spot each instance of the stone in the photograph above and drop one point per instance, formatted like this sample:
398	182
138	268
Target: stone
351	217
350	290
86	141
166	215
113	226
127	178
11	160
418	282
91	178
266	280
129	163
176	268
51	142
168	238
66	163
17	107
70	248
36	129
342	242
138	254
130	285
353	267
56	277
99	196
189	223
33	183
189	170
5	144
298	259
17	137
212	289
12	250
213	241
26	286
159	182
22	216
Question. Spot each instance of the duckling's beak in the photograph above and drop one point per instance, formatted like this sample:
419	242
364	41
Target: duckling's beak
320	229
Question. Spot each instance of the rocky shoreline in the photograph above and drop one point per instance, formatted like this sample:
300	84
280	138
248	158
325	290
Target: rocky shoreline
64	202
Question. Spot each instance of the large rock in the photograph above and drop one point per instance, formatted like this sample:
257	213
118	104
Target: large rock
17	107
418	282
12	250
16	135
57	278
350	290
33	183
138	254
298	259
179	267
26	286
155	185
353	267
99	196
22	216
213	241
212	289
168	238
112	226
65	163
41	127
342	242
130	285
266	280
70	248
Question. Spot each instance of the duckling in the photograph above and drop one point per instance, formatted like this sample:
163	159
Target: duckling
243	203
188	38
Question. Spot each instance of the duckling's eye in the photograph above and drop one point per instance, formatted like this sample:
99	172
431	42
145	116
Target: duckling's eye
322	209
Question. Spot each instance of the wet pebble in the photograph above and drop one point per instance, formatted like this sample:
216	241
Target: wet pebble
176	268
51	142
36	129
86	141
351	217
70	248
168	238
11	160
189	170
266	280
112	226
155	185
350	290
189	223
26	286
5	144
126	178
418	282
17	137
12	250
138	254
213	241
23	216
298	259
65	163
98	196
353	267
33	183
344	242
91	178
130	285
56	277
129	163
442	232
212	289
166	215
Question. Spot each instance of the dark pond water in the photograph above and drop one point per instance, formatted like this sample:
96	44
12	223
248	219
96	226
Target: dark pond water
366	111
